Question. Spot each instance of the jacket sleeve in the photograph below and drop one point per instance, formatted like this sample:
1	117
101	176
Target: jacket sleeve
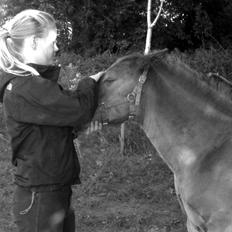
43	102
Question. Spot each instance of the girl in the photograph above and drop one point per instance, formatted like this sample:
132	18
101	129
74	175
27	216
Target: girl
40	117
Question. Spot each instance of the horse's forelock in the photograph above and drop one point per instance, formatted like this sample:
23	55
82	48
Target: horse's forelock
140	61
129	58
136	60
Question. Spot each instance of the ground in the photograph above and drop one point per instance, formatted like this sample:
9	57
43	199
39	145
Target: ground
130	192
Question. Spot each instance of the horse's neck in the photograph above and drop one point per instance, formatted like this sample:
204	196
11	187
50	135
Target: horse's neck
181	124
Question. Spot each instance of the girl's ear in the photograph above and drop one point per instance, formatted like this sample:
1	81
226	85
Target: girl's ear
30	43
34	43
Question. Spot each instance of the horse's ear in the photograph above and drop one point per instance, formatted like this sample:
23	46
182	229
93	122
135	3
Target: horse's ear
98	76
157	54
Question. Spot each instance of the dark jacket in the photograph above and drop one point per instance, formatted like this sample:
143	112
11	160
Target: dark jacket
40	117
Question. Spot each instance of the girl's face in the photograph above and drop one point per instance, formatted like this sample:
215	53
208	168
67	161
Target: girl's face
45	48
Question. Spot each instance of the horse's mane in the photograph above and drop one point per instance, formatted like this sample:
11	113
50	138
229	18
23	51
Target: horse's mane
205	81
212	81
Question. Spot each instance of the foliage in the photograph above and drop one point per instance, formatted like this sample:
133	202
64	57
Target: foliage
74	67
91	27
88	65
209	60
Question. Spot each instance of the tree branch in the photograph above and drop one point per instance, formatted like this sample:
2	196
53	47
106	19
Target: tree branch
151	25
149	13
159	12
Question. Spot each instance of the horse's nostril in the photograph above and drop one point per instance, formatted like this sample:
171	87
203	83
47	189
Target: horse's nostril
101	104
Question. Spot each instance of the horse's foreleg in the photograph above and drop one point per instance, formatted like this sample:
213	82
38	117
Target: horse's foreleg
195	223
193	228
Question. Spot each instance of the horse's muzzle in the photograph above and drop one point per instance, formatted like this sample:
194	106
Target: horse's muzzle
101	114
114	114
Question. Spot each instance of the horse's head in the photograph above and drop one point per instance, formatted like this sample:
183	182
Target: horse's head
120	88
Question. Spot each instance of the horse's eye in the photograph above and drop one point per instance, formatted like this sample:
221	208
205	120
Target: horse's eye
109	81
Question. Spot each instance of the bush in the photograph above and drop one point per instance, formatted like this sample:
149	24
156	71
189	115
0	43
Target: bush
72	64
211	60
90	65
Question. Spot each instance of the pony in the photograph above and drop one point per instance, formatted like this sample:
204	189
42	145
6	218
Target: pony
187	116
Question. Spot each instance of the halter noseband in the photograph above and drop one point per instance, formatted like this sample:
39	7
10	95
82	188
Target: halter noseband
133	99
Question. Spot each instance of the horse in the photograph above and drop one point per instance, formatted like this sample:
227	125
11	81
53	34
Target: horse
187	116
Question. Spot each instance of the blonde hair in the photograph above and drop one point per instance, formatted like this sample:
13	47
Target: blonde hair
12	35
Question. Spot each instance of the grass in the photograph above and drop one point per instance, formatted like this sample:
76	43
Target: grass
128	193
6	188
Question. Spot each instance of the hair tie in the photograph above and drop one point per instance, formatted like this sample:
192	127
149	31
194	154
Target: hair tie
4	33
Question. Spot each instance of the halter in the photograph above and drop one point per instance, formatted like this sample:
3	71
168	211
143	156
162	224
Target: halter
135	96
133	99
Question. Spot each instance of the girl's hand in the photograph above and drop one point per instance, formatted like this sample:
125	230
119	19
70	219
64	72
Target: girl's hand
94	126
97	76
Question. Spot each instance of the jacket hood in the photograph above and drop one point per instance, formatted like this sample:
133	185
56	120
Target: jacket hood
49	72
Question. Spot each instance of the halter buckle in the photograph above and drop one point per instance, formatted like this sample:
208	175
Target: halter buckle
131	97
